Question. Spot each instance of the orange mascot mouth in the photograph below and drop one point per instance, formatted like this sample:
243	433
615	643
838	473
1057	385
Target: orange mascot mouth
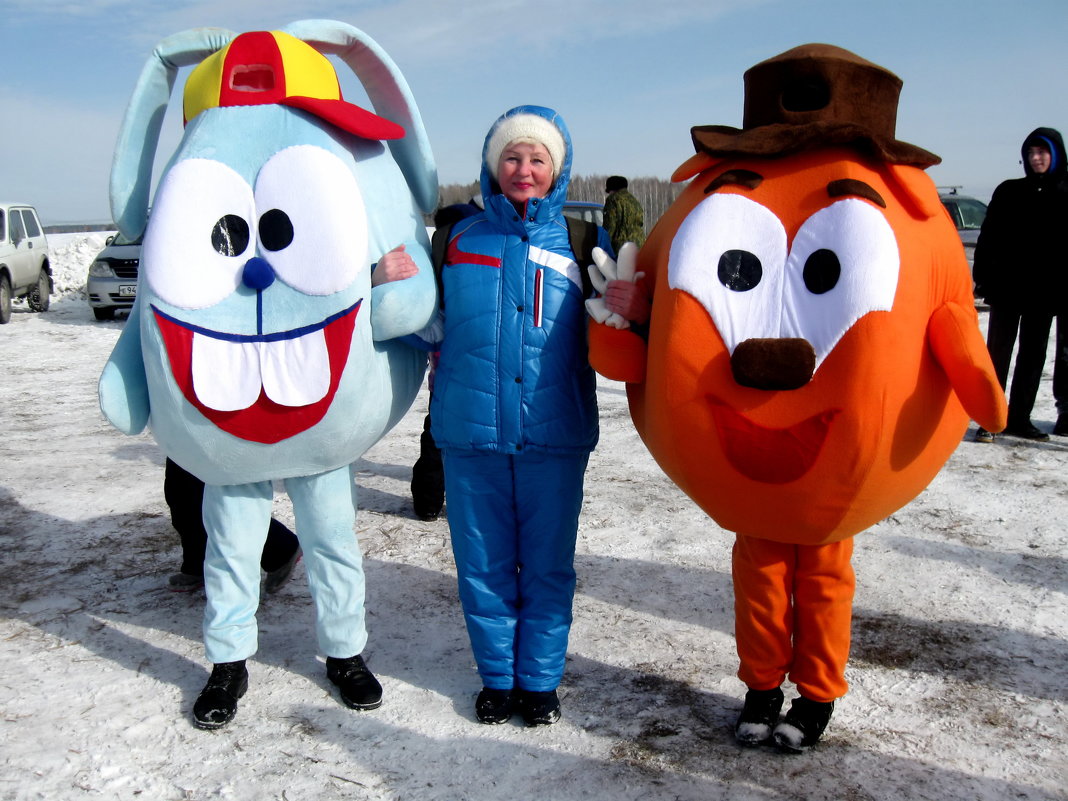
770	455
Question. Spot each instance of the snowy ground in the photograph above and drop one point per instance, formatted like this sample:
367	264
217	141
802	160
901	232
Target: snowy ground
959	672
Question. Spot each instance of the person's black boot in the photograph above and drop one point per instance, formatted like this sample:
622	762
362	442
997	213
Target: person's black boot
538	708
493	706
804	724
1025	429
185	582
277	578
1060	428
428	478
217	703
758	716
359	688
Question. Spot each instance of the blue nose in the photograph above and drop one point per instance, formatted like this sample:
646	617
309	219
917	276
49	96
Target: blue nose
257	274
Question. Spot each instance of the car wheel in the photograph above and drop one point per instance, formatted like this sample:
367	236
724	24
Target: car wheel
38	299
107	313
5	299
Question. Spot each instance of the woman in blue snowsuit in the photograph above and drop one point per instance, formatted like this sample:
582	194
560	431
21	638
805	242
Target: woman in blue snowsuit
515	414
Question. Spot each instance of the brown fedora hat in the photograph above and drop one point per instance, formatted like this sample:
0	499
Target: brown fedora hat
813	96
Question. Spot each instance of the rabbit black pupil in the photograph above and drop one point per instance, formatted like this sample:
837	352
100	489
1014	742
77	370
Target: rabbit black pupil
276	230
230	236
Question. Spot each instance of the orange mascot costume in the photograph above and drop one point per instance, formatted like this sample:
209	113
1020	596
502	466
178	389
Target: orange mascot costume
811	359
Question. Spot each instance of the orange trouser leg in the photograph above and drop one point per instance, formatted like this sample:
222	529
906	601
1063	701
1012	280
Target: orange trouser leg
823	610
763	614
793	607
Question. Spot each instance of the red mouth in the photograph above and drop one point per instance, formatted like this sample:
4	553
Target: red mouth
264	420
770	455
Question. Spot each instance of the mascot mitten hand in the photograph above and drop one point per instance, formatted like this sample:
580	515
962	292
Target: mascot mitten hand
616	282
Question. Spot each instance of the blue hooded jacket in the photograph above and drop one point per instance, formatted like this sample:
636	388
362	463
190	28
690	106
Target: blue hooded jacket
514	375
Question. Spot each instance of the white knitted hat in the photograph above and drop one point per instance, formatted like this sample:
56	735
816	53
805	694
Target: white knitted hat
526	128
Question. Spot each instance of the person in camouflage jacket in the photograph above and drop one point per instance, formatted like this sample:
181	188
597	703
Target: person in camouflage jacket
623	217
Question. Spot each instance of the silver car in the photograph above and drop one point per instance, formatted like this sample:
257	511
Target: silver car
967	214
112	281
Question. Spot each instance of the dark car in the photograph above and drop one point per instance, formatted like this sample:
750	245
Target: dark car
967	214
584	210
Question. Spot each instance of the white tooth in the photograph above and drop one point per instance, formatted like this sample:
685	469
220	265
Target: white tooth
296	372
226	375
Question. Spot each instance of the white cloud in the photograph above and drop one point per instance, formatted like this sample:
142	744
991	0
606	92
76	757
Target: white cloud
437	31
467	34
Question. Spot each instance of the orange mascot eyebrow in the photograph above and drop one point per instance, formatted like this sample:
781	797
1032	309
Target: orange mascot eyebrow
811	360
746	178
849	186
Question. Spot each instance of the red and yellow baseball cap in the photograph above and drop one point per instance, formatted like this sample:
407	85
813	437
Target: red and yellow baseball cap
265	67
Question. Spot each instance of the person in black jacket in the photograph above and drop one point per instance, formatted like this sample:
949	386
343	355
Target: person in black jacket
1021	270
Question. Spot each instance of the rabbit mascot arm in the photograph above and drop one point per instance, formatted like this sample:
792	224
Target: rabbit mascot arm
257	350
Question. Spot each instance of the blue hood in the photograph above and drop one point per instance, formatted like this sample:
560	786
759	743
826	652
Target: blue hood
498	207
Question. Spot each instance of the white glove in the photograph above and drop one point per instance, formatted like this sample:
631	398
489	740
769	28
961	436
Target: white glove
603	270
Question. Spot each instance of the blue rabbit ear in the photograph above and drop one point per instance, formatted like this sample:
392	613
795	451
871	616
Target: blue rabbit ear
135	151
389	94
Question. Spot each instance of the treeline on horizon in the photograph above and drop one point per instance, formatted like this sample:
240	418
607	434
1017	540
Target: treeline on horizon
655	194
77	228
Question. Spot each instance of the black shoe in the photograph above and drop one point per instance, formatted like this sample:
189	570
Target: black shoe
804	725
277	578
759	715
428	488
1027	430
982	435
493	706
428	477
217	703
1061	427
359	688
185	582
538	709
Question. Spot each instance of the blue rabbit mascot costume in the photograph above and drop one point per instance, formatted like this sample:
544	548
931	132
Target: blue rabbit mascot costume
257	350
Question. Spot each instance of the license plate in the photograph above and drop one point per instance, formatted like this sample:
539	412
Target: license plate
127	291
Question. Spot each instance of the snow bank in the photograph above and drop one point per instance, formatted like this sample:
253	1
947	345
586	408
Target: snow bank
71	255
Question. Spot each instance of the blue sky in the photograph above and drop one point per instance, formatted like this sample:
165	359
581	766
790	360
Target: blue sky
630	77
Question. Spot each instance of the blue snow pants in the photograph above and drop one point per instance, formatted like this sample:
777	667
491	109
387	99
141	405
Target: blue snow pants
514	522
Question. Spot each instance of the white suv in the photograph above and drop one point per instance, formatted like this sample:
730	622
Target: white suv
25	271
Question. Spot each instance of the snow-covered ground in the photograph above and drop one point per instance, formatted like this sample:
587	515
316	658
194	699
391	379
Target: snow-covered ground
960	659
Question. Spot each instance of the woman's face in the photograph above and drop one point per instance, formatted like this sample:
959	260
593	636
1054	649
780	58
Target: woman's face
525	171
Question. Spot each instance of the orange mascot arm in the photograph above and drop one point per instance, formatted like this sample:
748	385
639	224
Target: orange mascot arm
618	354
959	349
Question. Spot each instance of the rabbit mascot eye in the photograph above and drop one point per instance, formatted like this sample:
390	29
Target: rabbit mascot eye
257	349
812	357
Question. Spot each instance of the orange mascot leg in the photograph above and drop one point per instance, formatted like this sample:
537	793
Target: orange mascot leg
793	607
